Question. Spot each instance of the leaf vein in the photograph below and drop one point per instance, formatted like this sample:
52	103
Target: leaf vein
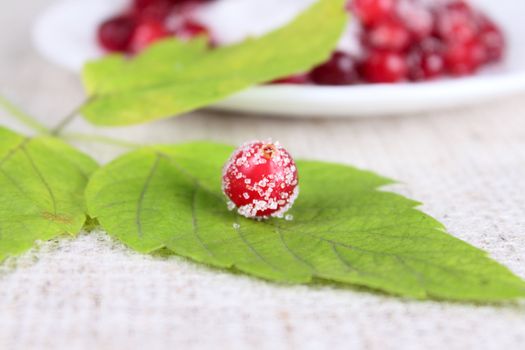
194	221
42	179
252	249
293	253
140	203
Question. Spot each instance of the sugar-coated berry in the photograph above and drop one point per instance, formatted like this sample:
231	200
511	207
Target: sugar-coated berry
340	69
115	34
260	179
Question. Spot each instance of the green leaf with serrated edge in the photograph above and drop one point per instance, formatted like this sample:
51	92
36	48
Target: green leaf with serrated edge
164	81
343	229
42	183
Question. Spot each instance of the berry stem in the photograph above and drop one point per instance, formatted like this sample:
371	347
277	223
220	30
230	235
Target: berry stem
22	116
57	130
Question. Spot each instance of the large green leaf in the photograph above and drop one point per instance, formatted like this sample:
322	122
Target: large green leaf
343	229
42	183
175	77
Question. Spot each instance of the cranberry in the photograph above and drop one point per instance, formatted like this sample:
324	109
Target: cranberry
152	10
426	60
384	67
146	34
339	70
459	5
388	35
115	34
417	18
456	25
492	40
464	58
372	11
139	5
260	179
297	79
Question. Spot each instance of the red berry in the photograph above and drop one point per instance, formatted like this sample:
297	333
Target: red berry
459	5
388	35
115	34
464	58
416	17
339	70
384	67
139	5
152	10
146	34
426	60
492	40
260	179
456	24
372	11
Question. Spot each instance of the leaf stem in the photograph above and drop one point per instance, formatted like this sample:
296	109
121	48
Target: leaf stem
22	116
74	136
57	130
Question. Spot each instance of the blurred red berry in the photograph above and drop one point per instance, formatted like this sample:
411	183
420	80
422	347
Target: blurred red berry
115	34
426	60
459	5
387	35
139	5
384	67
416	17
152	10
454	25
464	58
340	69
372	11
146	34
492	40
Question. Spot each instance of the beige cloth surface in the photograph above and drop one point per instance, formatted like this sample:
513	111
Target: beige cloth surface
467	166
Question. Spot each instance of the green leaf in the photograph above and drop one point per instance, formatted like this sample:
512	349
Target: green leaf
343	229
42	183
175	77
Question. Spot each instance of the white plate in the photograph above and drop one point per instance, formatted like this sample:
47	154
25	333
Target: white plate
65	35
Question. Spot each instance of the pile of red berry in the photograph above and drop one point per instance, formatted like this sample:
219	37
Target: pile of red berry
414	40
147	21
399	40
